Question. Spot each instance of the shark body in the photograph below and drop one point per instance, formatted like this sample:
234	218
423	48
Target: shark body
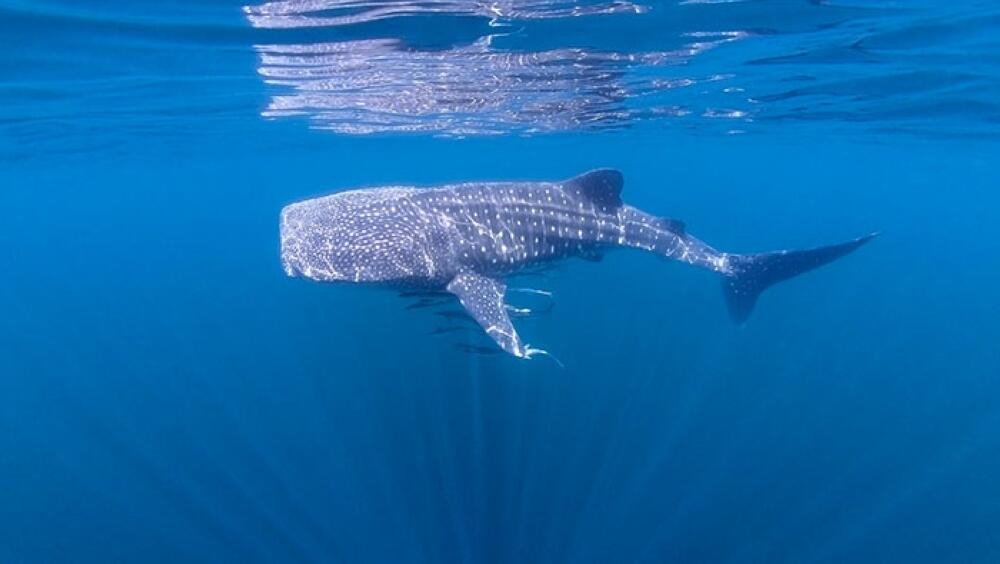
467	239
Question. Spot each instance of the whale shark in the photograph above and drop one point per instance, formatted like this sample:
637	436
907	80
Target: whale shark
468	239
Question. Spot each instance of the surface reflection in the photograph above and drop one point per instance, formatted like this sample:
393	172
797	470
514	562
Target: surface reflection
377	85
316	13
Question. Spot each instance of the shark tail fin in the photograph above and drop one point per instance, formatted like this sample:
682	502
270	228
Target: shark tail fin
751	274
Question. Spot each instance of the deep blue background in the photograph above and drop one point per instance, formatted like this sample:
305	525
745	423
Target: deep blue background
167	395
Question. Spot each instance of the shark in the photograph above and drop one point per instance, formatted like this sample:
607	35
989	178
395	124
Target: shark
468	239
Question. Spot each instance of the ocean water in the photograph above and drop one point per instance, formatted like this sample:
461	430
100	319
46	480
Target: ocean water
167	394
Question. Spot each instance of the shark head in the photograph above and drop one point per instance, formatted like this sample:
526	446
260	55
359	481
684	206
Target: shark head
306	249
355	236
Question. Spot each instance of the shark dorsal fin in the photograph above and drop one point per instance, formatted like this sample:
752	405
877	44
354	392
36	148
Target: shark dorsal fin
602	186
675	226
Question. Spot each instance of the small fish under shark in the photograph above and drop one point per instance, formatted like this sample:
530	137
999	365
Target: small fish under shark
467	239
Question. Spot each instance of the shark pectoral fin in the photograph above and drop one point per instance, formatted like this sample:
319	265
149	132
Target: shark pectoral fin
483	297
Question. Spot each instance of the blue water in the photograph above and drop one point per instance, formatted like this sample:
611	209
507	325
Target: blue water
168	395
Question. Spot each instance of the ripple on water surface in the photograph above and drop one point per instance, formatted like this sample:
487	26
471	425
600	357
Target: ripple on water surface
537	67
92	79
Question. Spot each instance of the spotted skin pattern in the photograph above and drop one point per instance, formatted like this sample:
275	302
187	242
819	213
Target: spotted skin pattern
467	238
